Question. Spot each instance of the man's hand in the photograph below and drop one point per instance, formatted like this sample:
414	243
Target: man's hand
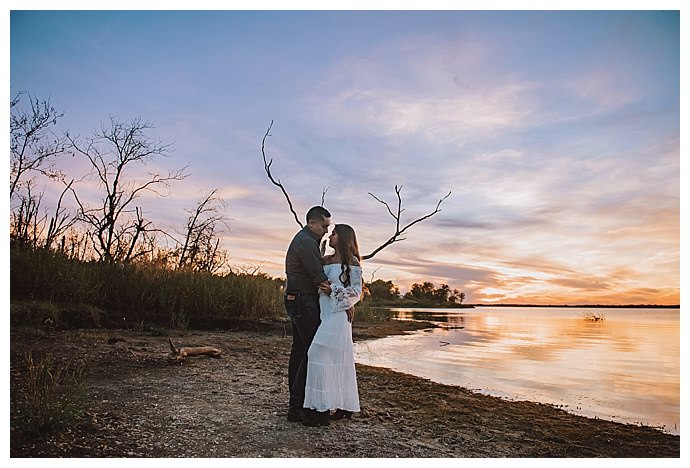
325	288
350	314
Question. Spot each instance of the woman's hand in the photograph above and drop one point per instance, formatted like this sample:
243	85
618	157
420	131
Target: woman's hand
325	288
350	314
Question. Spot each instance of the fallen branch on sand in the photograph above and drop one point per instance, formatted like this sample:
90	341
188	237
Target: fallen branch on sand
182	353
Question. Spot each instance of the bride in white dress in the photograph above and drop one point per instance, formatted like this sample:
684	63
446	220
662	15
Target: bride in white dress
331	378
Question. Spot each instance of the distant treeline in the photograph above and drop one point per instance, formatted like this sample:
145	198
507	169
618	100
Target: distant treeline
426	294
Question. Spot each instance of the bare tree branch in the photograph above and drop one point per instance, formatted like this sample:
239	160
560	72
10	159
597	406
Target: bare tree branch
29	149
399	231
200	250
140	227
277	183
62	221
373	274
396	214
323	195
250	269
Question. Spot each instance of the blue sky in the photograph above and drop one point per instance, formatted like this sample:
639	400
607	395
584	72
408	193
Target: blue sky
557	132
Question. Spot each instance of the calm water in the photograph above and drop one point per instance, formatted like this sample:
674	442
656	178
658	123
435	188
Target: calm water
625	368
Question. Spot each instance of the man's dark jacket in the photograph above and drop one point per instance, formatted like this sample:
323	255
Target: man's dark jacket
303	266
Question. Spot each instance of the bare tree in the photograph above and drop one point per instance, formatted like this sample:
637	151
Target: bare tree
395	214
26	219
111	151
33	146
200	249
277	183
28	222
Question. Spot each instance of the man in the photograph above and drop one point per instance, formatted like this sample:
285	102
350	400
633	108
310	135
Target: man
304	271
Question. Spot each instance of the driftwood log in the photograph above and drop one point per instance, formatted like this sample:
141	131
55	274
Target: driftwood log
180	354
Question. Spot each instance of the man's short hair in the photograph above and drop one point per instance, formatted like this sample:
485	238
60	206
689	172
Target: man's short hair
317	213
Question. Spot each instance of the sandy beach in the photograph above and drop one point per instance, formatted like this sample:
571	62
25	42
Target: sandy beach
140	404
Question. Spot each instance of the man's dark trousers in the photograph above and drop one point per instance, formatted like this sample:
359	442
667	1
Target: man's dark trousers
304	313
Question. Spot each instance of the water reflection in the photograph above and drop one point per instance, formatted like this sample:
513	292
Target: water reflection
441	317
625	368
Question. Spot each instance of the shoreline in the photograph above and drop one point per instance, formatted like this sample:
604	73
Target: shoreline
403	327
140	404
570	306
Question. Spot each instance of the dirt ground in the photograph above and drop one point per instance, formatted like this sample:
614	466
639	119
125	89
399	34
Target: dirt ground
141	404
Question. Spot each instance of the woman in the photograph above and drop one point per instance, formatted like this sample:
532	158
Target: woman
331	379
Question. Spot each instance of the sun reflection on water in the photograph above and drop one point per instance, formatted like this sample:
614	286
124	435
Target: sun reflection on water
625	368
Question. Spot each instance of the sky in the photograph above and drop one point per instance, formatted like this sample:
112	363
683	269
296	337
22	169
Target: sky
556	132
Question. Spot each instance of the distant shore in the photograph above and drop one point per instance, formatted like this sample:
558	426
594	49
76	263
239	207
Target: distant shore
587	306
574	306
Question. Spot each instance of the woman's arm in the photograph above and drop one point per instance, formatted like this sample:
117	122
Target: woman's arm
343	297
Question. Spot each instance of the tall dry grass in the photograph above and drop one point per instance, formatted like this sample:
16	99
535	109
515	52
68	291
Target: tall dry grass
117	294
46	394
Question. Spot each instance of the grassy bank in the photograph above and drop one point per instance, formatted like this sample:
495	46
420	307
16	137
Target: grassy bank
48	288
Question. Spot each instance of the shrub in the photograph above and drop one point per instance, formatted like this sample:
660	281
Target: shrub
46	395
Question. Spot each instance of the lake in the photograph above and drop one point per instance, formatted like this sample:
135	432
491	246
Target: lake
624	368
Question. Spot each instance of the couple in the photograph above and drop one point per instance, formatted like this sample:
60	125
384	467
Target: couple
319	297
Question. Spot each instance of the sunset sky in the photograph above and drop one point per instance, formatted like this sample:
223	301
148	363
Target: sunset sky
558	134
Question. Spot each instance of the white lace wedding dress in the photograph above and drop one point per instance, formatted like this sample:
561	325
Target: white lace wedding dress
331	379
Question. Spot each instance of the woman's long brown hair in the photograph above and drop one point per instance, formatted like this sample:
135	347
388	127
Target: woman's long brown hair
348	249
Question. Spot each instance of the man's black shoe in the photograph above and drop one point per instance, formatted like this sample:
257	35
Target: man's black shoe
295	416
316	418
